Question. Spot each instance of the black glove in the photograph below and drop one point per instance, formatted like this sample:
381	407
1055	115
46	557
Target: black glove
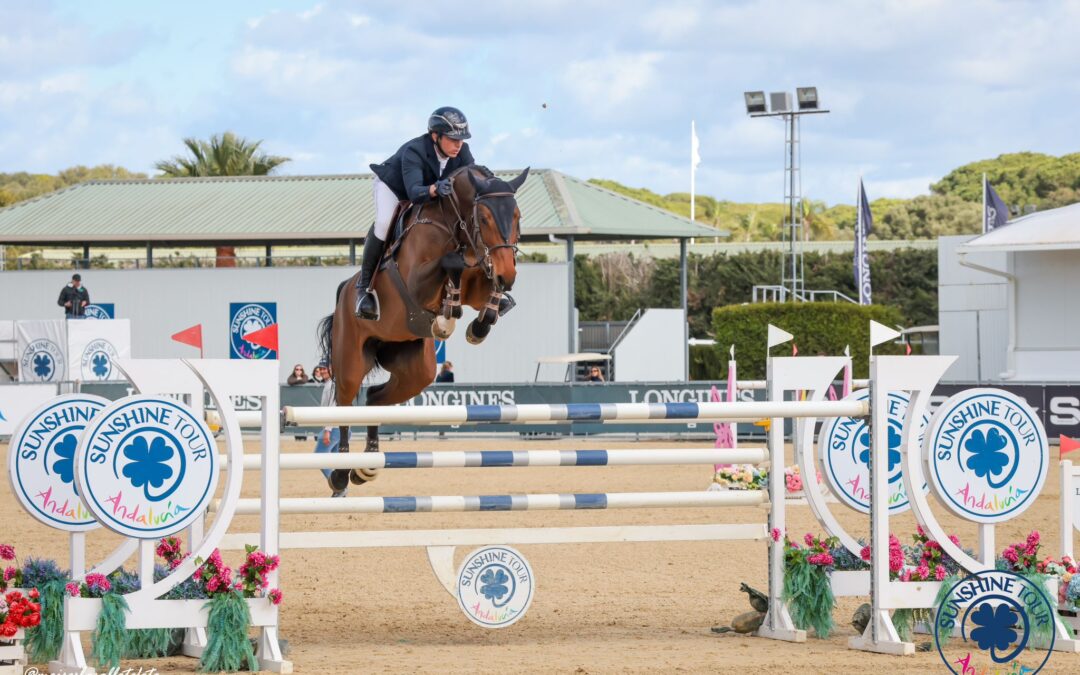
444	187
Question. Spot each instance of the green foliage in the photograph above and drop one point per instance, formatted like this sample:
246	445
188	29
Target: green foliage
1019	179
16	187
223	155
928	217
819	328
227	645
611	287
707	363
110	637
809	597
43	642
148	643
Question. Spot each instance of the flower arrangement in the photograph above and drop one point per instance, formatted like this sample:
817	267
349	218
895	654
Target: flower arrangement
793	480
807	590
13	575
1023	558
19	611
94	586
741	477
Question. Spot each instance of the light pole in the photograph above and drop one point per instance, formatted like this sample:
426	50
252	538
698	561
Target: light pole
780	105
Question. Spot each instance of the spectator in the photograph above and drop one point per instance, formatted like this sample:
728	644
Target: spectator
595	375
446	374
298	376
321	374
329	439
74	298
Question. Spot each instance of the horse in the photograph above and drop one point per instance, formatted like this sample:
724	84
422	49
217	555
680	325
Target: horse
457	250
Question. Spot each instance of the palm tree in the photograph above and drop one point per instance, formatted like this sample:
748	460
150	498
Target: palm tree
223	155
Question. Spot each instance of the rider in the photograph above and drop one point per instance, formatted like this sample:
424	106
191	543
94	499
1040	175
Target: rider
417	172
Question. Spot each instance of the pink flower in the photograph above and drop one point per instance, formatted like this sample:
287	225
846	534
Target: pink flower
823	559
905	575
954	539
775	534
923	571
275	596
939	573
865	553
808	539
98	581
918	528
212	585
72	589
215	558
257	558
7	552
1033	538
273	562
10	573
1010	555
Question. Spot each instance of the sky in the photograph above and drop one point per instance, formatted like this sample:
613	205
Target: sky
915	87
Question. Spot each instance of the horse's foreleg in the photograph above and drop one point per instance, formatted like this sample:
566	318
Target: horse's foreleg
480	327
453	264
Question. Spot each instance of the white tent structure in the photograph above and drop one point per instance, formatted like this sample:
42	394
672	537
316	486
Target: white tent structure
1035	260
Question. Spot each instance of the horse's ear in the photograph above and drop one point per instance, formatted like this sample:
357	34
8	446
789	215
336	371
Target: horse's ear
520	180
472	180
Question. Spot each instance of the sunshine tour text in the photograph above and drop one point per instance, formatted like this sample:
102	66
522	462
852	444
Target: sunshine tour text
971	589
483	560
45	425
954	427
106	439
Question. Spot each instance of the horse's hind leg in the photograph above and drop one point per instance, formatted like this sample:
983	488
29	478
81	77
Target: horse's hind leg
349	372
412	368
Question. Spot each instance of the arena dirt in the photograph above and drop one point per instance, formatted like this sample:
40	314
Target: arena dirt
598	608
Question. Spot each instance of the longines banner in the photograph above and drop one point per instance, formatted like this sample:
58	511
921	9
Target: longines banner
1056	406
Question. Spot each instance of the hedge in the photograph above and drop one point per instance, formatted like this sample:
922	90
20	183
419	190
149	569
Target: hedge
819	328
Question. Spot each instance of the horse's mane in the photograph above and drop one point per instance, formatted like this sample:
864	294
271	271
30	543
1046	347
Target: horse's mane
479	168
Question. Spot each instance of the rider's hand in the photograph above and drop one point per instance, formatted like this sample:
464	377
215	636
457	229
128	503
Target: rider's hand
67	304
444	187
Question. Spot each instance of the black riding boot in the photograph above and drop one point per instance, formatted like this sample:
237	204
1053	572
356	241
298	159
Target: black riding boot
367	306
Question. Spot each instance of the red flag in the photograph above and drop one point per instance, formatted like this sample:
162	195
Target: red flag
190	336
794	349
264	337
1068	445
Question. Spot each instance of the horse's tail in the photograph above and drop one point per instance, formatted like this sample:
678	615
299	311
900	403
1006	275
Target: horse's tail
326	329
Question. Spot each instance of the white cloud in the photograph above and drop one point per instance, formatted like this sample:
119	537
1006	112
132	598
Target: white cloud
607	83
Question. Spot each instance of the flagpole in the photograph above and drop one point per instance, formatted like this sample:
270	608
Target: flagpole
984	204
693	169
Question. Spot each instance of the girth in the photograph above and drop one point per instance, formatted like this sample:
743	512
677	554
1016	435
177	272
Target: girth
417	319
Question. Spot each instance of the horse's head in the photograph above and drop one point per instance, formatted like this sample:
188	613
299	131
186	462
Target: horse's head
495	225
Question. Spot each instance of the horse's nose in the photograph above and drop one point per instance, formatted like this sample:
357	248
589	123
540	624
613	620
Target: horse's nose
504	284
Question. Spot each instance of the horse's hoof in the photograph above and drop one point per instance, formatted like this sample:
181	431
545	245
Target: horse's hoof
361	476
338	480
476	333
442	328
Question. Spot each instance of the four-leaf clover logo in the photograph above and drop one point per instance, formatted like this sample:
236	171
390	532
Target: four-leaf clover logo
995	628
987	450
65	466
101	365
148	466
494	584
895	439
43	365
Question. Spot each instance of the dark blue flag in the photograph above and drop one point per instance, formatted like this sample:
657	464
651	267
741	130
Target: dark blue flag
864	225
995	212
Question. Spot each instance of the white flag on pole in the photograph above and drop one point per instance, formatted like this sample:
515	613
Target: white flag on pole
695	159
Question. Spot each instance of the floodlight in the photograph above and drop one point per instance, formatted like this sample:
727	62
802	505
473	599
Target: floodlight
808	99
755	102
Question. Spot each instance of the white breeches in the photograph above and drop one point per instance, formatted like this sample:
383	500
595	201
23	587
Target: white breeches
385	203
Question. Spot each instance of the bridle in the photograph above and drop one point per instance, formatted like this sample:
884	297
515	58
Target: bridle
474	237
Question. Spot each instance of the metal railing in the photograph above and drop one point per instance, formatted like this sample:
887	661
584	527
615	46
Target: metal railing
176	261
783	294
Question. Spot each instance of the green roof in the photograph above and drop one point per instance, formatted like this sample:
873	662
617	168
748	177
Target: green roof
305	208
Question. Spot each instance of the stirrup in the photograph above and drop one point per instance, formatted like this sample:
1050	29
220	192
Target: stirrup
368	316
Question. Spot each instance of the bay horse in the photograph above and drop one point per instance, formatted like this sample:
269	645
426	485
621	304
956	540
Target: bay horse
455	250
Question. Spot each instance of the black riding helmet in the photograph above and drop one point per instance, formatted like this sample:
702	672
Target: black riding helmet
450	122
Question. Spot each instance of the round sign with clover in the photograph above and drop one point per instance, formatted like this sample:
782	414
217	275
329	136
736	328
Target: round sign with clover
844	447
41	461
147	467
987	455
495	586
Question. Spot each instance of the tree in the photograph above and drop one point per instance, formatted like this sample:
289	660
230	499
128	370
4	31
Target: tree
223	155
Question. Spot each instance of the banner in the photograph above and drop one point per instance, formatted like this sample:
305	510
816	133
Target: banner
246	318
995	213
41	347
100	310
863	227
94	346
19	400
